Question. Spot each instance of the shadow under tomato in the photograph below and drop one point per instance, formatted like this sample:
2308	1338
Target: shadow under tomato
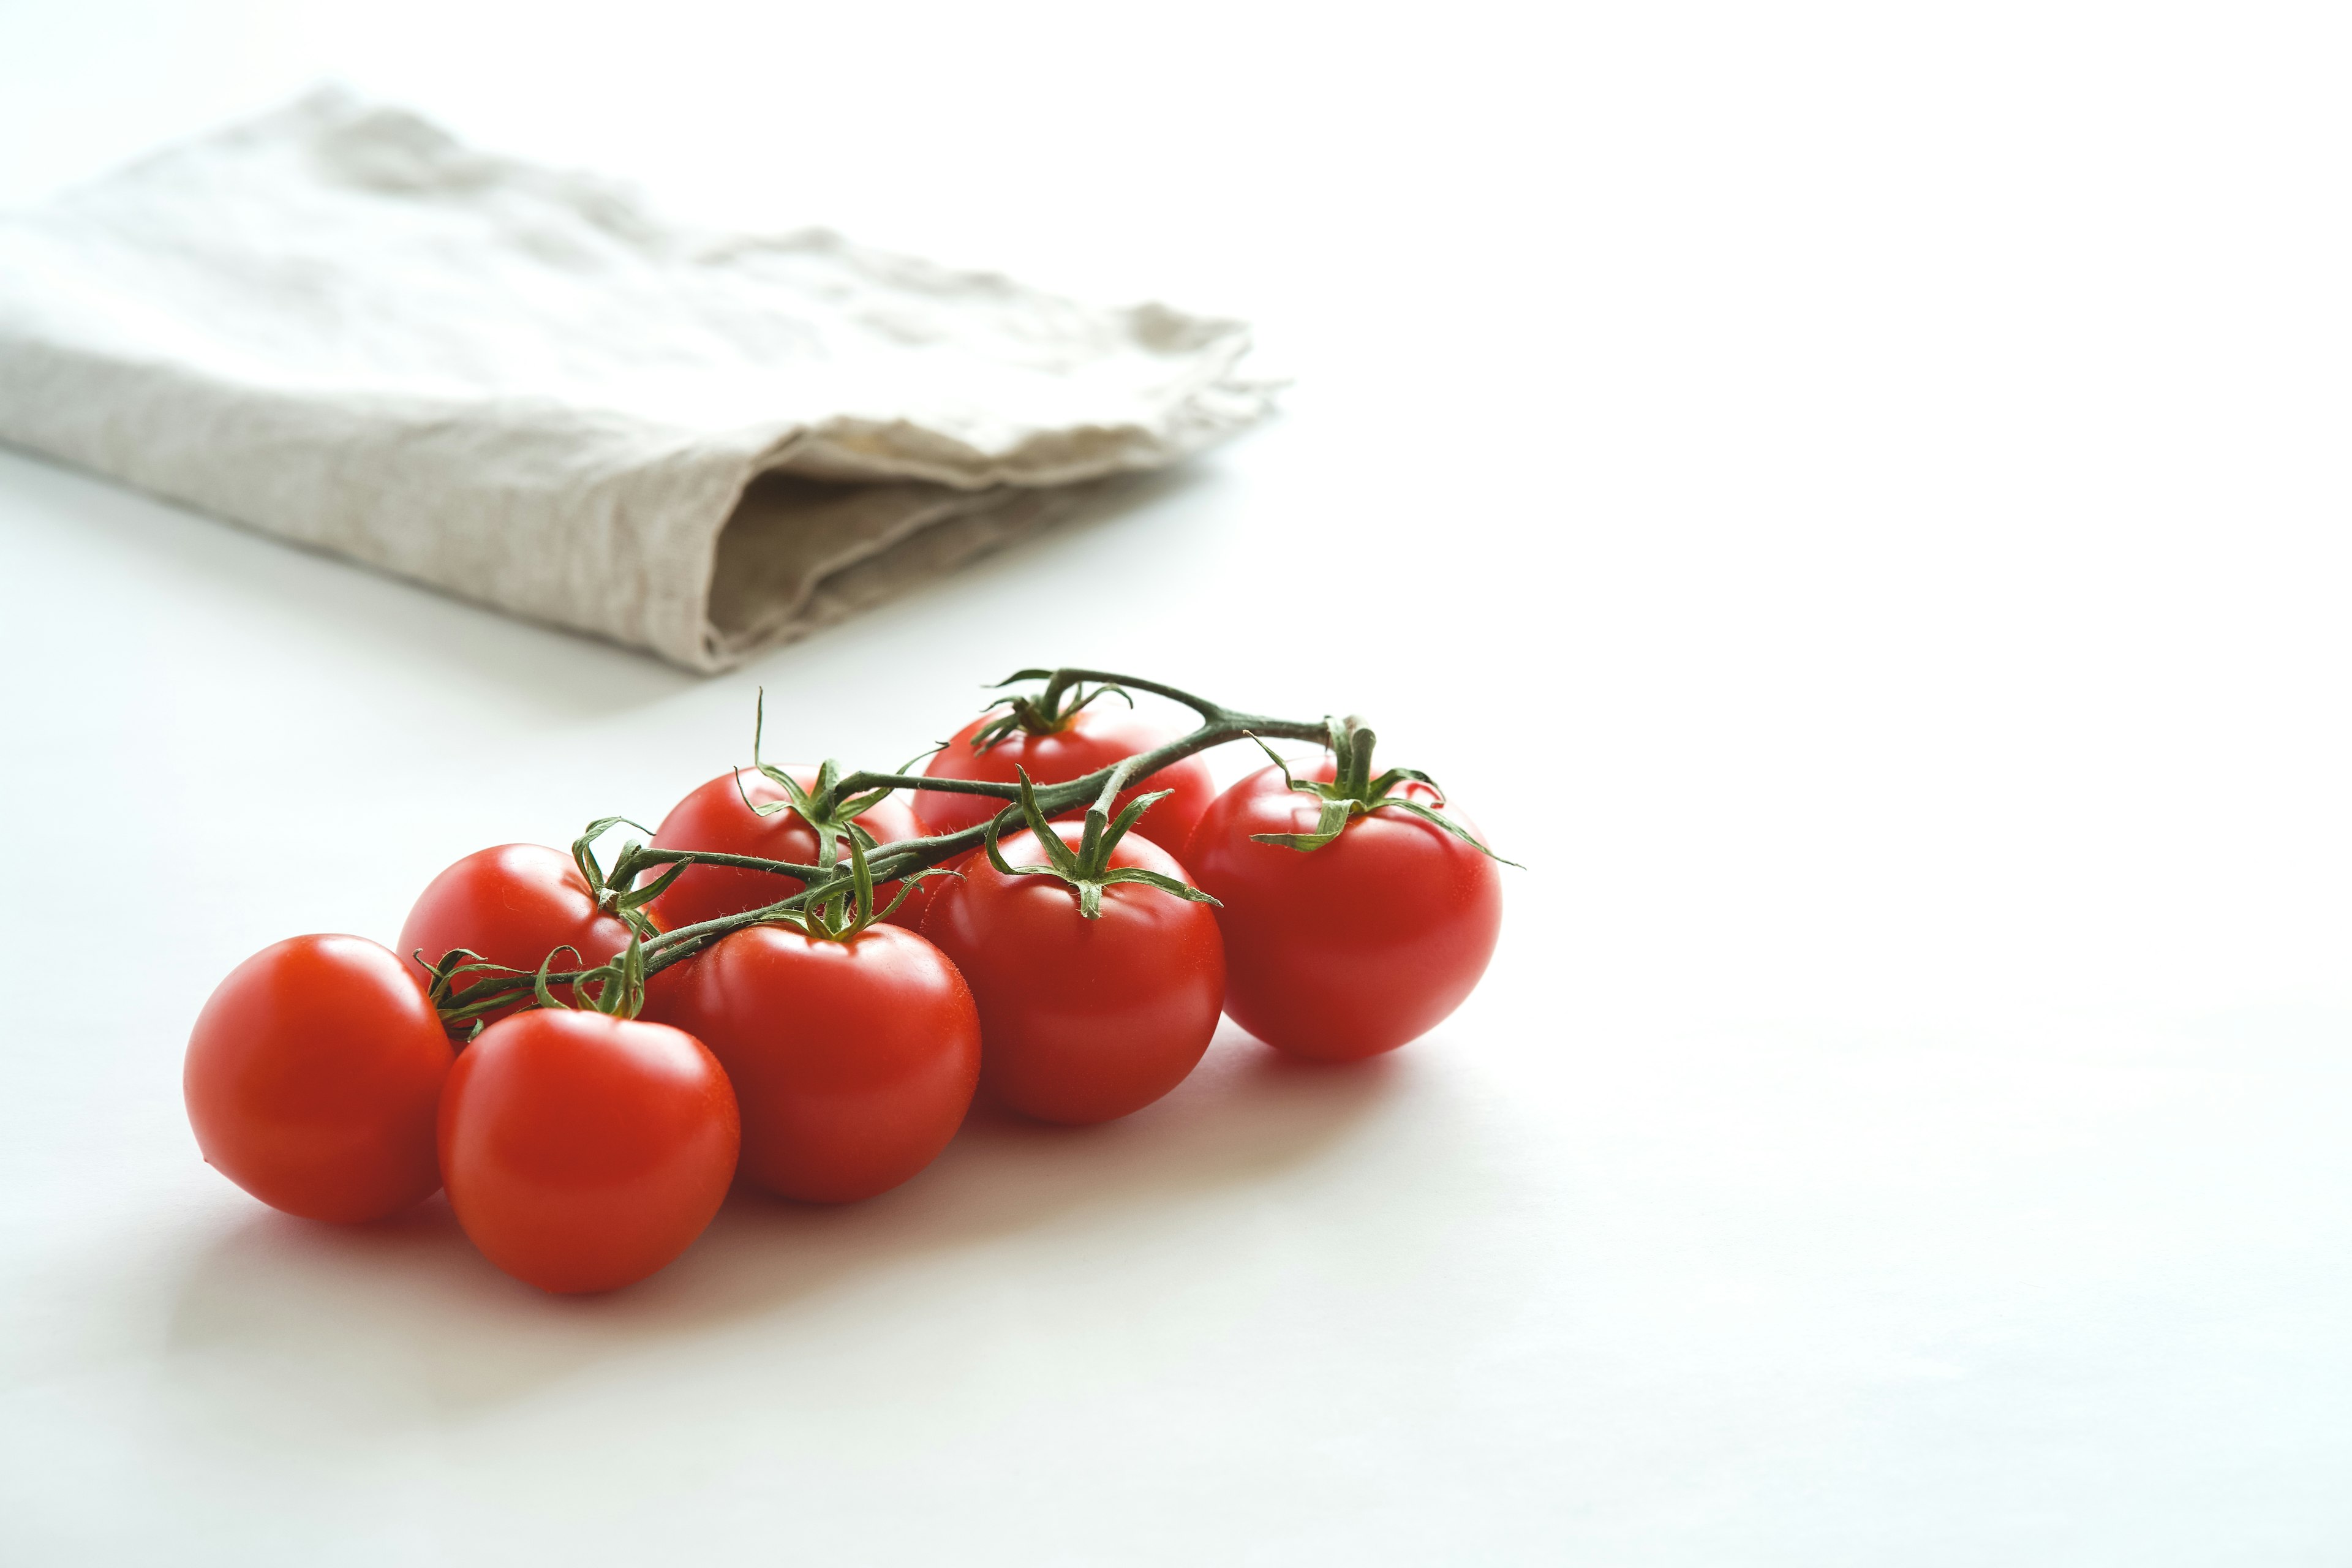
317	1331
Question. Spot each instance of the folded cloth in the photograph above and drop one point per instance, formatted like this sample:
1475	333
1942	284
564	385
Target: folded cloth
340	325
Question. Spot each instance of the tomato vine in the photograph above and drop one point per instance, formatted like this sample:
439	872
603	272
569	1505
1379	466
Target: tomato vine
467	988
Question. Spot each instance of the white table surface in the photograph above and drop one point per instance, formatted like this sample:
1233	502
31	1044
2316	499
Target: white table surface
1854	500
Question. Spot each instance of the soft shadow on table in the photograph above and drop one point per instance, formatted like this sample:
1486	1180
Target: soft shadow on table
318	598
306	1320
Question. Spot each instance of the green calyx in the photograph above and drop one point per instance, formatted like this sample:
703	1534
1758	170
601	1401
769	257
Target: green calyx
465	985
844	907
612	895
615	987
1048	712
832	814
1354	792
1087	868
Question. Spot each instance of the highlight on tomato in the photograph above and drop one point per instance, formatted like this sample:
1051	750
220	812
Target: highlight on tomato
1097	964
852	1044
312	1076
1052	740
1357	912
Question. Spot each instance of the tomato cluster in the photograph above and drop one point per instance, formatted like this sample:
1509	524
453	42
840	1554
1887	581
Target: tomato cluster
802	980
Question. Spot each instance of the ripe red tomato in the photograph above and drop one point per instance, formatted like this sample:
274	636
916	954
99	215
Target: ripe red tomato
1357	947
1092	738
514	905
1082	1020
311	1079
713	816
581	1151
854	1060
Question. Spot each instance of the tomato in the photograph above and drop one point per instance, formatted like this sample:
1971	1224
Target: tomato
311	1079
1082	1020
1092	738
713	816
854	1060
583	1152
514	905
1354	948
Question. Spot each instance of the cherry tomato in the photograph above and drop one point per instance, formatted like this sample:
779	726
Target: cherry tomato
1092	738
583	1152
514	905
713	816
311	1079
1352	948
854	1060
1082	1020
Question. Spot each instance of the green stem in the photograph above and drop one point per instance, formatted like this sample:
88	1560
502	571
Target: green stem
644	858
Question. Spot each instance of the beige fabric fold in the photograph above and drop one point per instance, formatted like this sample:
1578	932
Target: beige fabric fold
340	325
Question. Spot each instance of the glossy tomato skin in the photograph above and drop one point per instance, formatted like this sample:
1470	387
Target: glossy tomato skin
1082	1021
1094	738
854	1061
583	1152
713	816
312	1076
514	904
1357	947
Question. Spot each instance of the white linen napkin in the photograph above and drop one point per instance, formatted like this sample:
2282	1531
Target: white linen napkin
340	325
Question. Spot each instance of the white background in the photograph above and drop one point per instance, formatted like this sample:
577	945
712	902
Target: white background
1855	498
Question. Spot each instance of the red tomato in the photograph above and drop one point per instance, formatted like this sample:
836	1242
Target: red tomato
1082	1020
1093	738
854	1060
713	816
311	1079
1357	947
583	1152
514	905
